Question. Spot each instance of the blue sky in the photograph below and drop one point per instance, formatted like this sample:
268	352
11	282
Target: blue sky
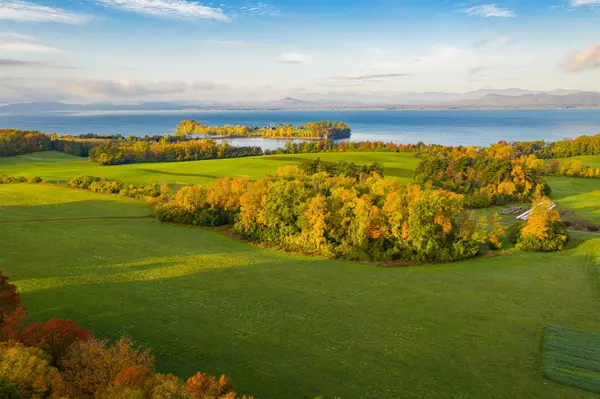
133	50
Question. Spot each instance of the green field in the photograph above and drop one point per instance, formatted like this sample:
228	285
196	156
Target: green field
57	166
39	201
590	160
572	357
580	195
284	326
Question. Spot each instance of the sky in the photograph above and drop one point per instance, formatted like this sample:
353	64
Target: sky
184	50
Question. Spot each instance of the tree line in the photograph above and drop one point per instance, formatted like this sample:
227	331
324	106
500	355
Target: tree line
566	148
487	177
327	213
343	146
571	168
582	145
163	151
20	142
311	130
59	359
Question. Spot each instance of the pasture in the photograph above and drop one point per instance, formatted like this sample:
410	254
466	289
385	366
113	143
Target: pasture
580	195
286	326
39	202
56	166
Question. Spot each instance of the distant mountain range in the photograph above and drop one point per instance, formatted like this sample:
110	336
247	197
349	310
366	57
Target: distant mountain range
485	98
580	99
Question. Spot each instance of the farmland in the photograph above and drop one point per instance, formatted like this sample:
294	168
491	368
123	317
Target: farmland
288	326
57	166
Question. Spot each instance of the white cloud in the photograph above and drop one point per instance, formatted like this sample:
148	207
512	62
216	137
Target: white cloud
231	43
22	11
586	59
181	9
489	10
15	35
27	48
259	9
127	89
578	3
294	58
370	76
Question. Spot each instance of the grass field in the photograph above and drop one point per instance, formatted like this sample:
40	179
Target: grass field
590	160
284	326
57	166
572	357
38	201
578	194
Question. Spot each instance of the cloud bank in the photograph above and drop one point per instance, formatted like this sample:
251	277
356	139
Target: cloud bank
126	89
583	60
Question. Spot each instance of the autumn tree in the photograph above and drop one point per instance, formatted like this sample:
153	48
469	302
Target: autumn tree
29	369
54	337
90	366
203	386
544	231
497	231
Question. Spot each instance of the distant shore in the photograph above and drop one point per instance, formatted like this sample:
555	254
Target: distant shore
274	138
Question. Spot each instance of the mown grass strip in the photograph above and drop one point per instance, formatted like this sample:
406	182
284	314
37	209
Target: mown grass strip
572	357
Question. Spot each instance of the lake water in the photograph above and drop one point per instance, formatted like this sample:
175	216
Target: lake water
450	127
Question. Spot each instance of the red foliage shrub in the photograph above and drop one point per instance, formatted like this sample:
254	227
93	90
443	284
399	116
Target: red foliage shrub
13	324
55	336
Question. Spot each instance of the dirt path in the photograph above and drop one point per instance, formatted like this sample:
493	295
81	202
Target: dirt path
77	219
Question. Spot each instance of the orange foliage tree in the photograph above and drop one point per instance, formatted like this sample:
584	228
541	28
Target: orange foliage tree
544	231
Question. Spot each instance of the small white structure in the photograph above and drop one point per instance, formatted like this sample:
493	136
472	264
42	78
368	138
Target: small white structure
525	216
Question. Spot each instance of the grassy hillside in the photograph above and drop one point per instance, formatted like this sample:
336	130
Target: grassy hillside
60	167
284	326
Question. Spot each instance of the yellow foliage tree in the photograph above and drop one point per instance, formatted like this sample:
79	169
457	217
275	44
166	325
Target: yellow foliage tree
543	231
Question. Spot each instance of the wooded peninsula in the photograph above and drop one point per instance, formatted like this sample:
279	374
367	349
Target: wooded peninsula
311	130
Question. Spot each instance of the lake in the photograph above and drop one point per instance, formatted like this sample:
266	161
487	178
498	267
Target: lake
450	127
